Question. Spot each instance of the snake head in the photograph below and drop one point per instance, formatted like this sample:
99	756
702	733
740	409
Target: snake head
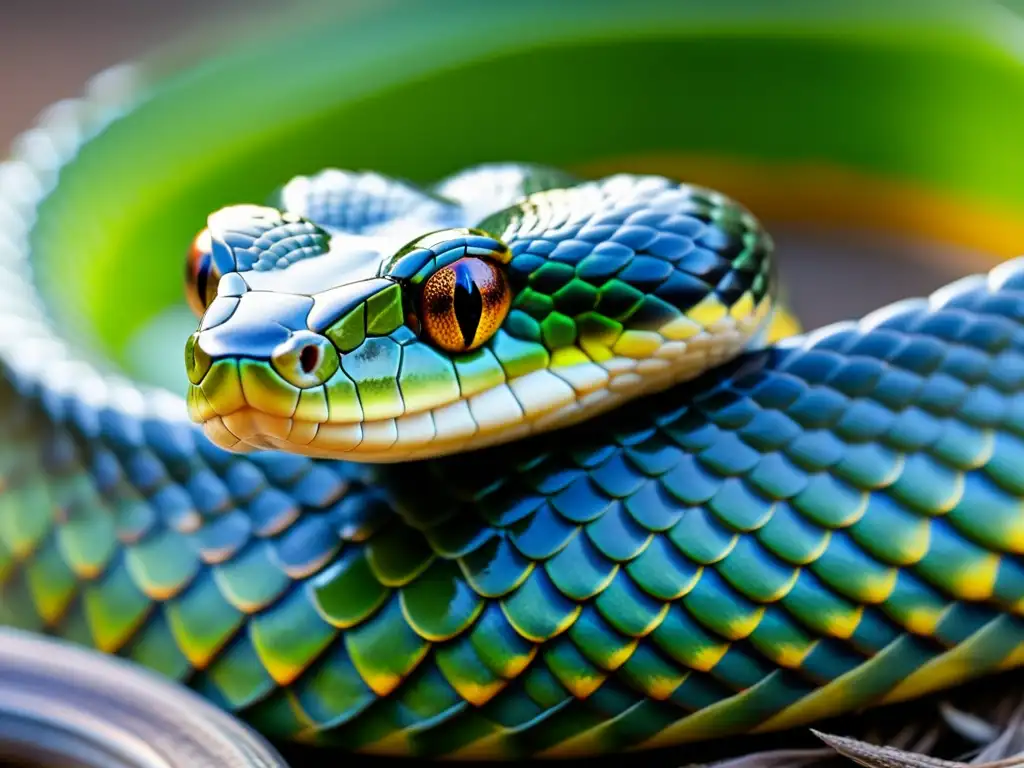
377	347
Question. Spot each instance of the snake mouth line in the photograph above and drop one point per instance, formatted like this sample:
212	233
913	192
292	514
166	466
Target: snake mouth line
534	402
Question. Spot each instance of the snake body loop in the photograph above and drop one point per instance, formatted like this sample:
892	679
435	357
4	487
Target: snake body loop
733	539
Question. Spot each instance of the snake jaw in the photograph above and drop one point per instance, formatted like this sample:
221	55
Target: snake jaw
468	404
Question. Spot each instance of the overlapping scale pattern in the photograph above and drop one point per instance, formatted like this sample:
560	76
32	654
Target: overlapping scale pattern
825	525
358	202
258	238
630	253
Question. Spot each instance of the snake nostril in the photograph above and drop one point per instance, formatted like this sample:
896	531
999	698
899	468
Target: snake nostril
309	358
305	359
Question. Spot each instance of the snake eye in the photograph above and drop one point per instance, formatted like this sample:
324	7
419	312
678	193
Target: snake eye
464	303
200	274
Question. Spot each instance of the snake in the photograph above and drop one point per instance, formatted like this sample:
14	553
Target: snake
502	462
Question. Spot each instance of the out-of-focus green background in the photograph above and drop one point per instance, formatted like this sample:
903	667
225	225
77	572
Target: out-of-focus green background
48	48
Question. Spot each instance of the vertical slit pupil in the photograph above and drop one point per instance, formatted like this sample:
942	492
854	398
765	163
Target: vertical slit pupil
309	358
469	303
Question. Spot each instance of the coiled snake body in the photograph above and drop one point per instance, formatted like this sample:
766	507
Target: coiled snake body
625	531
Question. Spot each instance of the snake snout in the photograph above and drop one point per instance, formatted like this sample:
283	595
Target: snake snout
255	354
260	375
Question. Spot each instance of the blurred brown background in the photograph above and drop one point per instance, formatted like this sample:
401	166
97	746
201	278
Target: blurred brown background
49	48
